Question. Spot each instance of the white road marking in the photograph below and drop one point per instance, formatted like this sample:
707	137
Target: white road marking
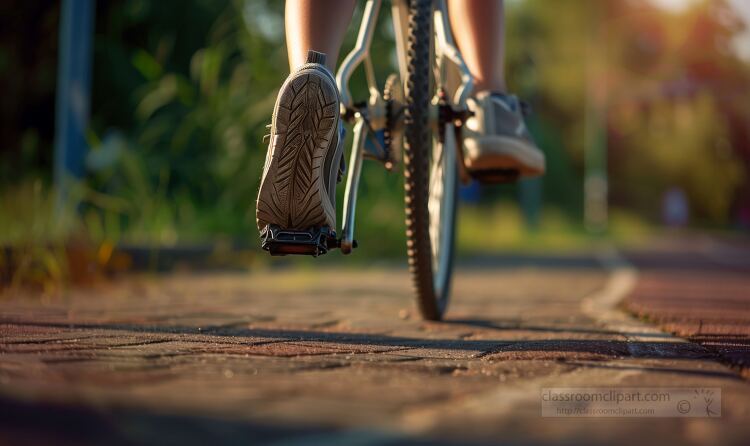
602	306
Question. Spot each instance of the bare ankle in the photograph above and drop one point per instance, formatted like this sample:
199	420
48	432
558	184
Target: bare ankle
493	85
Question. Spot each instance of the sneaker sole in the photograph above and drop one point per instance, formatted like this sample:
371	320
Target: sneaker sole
293	189
505	153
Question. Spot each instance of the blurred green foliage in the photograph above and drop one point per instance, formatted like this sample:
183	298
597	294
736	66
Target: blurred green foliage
181	110
183	90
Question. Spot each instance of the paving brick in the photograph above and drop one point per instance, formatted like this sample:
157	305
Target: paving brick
286	354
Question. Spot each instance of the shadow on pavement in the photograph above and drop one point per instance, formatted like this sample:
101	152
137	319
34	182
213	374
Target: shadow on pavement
495	349
31	423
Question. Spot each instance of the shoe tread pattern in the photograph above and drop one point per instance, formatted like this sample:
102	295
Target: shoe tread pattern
292	193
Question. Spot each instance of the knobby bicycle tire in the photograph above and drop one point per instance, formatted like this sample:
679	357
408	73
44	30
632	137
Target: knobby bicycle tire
418	142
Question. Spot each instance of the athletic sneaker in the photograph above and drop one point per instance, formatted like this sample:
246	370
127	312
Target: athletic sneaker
298	187
496	137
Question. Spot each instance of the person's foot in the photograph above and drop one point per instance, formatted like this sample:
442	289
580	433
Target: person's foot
496	137
298	187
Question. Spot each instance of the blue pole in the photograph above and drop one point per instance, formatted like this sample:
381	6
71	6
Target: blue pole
73	92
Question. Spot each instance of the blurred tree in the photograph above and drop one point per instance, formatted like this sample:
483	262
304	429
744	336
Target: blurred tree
677	100
676	68
28	70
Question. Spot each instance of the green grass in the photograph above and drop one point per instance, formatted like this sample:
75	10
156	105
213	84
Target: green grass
40	238
28	216
501	228
33	232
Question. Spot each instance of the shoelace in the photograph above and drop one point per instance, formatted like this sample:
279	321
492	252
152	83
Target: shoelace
513	102
267	137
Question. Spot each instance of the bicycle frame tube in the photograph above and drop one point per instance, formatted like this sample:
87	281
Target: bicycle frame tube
372	114
446	49
400	16
352	186
360	52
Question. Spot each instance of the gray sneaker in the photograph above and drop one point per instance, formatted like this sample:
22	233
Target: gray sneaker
496	137
298	187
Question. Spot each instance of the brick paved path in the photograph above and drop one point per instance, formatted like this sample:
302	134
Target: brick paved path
289	356
699	290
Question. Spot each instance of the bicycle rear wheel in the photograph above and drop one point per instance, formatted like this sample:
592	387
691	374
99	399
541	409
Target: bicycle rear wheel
430	172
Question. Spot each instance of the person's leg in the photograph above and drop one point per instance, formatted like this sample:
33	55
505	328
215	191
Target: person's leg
298	187
496	139
479	30
318	25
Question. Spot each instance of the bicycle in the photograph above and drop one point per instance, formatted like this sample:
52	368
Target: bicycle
417	120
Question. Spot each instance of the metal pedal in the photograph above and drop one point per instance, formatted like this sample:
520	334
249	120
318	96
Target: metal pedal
495	176
313	242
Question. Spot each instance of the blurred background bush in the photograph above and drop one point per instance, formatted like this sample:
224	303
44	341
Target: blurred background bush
657	92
